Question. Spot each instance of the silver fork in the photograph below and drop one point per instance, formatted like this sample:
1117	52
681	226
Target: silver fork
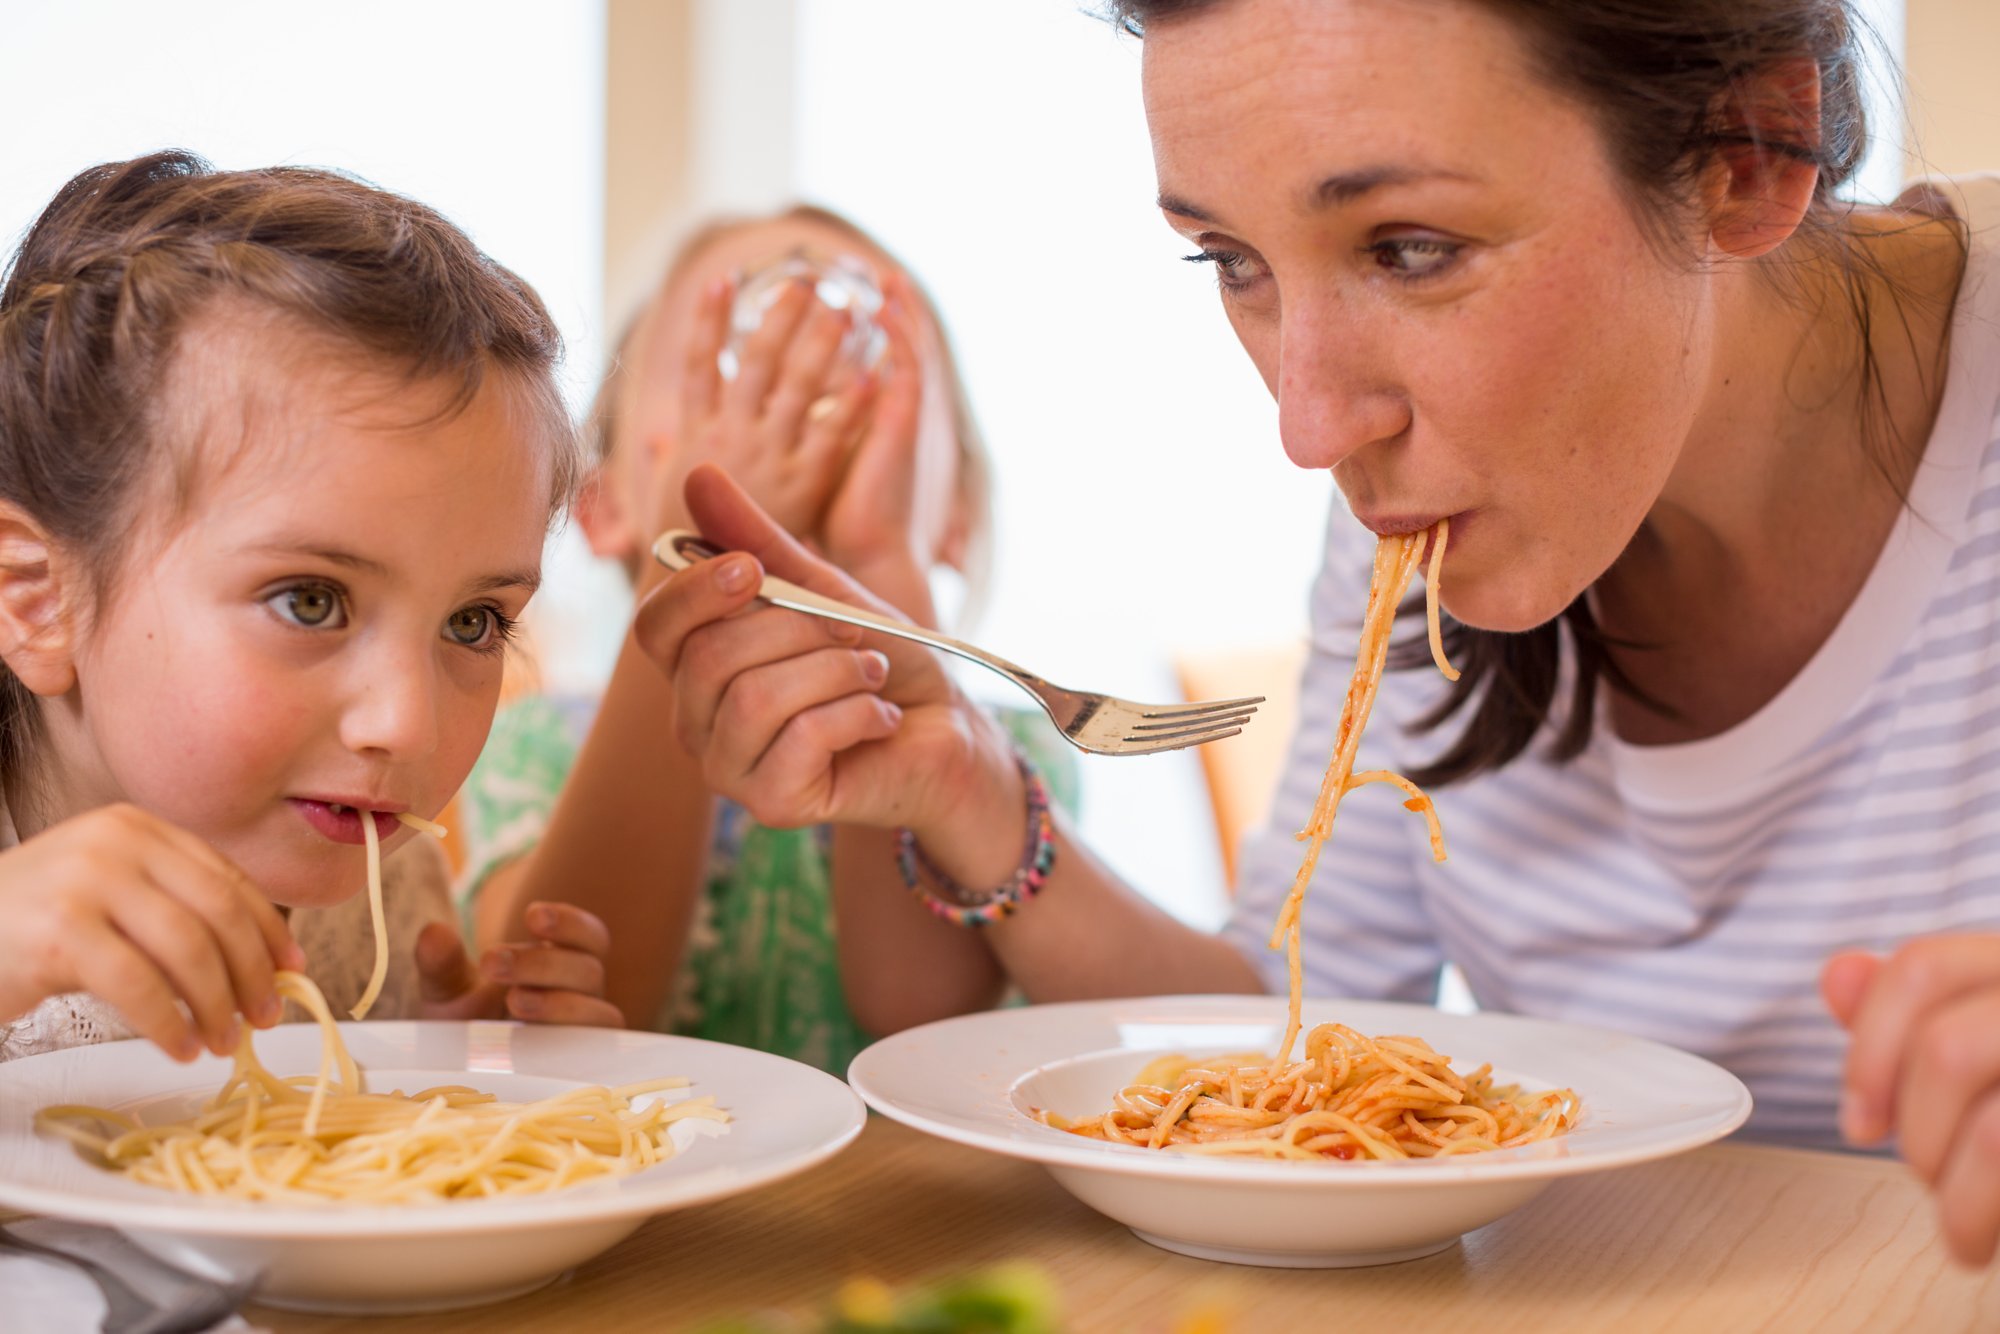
1101	724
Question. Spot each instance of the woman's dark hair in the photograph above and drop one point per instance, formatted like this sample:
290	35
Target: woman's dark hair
1659	76
129	256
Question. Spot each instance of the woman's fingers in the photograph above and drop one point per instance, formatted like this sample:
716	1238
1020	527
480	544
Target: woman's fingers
1952	1065
716	657
1923	976
761	703
759	359
794	781
1968	1190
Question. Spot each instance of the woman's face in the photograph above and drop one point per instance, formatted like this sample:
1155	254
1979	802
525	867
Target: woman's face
1428	254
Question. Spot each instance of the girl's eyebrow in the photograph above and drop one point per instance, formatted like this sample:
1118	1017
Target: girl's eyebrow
529	579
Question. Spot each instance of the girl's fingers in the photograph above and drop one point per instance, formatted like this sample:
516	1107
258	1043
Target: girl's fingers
231	922
444	969
758	360
799	765
806	374
833	422
567	925
536	1006
1952	1067
1968	1192
1919	978
184	948
701	368
1845	981
116	971
262	913
550	967
764	702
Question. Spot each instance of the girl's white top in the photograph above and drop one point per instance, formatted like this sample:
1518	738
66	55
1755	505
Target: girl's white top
340	953
1691	893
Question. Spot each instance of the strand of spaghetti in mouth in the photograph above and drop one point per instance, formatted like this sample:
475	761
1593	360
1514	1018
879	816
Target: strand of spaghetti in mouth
378	916
1352	1095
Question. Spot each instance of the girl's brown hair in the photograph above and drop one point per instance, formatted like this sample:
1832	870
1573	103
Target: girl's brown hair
1660	76
130	254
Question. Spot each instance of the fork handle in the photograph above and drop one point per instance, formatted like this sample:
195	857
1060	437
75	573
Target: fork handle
679	549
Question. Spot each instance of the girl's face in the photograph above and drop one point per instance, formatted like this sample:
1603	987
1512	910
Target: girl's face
937	520
321	625
1428	255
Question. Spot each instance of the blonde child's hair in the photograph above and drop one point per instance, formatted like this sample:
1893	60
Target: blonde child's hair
975	468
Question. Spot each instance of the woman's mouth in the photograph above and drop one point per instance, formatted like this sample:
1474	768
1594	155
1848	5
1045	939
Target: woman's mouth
1385	524
341	822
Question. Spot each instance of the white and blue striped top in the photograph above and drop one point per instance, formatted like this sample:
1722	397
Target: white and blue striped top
1690	893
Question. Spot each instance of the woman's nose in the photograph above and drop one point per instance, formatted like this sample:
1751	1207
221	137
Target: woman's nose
392	709
1333	398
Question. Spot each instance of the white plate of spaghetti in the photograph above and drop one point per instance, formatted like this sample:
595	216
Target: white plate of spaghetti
515	1153
1376	1188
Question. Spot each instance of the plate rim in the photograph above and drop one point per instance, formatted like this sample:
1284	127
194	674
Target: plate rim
1131	1161
195	1216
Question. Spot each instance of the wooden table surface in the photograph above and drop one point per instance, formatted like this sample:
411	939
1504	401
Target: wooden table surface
1734	1237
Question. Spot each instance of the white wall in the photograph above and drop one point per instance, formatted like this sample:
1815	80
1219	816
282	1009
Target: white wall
1144	503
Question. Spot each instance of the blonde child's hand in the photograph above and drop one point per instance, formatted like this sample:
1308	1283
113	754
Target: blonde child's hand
781	427
870	525
1923	1064
148	918
555	978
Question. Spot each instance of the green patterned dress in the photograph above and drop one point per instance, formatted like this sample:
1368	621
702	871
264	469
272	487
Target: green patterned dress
761	969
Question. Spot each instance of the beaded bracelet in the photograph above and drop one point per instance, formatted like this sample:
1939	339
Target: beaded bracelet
963	907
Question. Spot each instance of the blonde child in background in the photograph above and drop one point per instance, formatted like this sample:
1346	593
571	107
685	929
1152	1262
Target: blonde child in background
722	927
278	452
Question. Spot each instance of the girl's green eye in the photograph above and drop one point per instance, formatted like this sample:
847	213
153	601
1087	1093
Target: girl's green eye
470	626
314	606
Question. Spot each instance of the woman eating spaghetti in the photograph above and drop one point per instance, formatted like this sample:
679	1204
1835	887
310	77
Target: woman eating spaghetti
1567	288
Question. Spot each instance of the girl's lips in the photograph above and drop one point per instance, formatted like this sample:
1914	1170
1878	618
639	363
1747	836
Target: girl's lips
343	824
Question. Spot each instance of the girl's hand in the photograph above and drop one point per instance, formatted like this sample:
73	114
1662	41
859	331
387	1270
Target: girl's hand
148	918
782	427
870	525
555	978
1924	1064
805	721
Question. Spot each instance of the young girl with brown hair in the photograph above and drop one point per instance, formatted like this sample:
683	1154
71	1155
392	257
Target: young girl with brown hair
278	451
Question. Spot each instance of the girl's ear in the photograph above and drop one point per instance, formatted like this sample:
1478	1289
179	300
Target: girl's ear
37	632
606	525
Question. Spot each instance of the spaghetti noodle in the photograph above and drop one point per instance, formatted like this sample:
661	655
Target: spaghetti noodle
311	1138
325	1137
1351	1096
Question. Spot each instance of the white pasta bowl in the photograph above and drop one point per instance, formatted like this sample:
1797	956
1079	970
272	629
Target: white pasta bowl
784	1117
980	1080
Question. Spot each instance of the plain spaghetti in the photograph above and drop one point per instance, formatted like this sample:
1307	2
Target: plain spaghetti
1351	1096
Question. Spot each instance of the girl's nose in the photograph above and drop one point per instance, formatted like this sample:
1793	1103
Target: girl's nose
393	708
1332	398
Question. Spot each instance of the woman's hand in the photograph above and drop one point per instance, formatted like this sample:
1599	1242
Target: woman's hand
555	978
806	721
148	918
1924	1065
782	427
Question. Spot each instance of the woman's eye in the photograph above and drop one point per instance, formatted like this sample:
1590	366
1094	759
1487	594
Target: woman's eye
1414	256
313	606
479	627
1234	270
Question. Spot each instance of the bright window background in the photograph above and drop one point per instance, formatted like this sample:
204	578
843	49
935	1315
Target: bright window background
491	112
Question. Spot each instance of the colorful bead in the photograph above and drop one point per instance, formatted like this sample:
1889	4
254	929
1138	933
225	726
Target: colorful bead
963	907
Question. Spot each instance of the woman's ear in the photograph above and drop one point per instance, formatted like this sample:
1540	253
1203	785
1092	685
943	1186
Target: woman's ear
605	523
37	621
1766	169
